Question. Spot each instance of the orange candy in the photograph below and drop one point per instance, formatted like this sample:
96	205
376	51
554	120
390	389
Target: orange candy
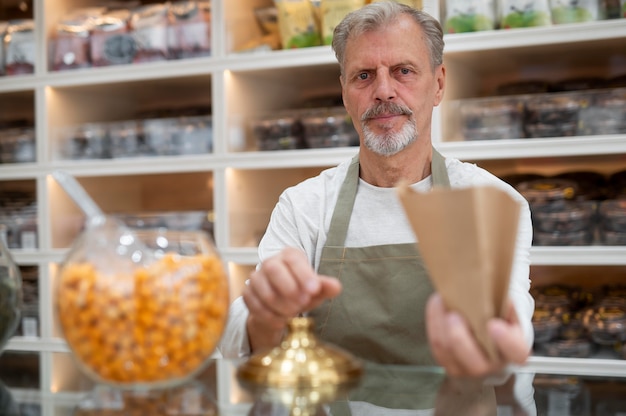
159	324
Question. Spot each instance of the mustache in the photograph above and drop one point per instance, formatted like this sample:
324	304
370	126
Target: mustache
386	108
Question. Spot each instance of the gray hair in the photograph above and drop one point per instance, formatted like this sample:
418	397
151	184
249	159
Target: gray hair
375	15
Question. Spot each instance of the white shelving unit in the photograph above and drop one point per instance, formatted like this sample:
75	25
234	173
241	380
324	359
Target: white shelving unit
241	187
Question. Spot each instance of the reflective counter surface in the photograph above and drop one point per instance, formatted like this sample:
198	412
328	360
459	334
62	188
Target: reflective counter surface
383	390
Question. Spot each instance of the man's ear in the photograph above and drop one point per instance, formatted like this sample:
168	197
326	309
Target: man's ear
440	79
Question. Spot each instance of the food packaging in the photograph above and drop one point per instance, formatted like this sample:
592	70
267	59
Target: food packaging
469	16
71	42
149	25
591	185
190	29
112	42
492	118
297	24
20	47
564	11
467	240
524	13
607	325
332	13
195	135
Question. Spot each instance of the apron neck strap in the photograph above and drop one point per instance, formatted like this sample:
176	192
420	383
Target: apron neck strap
347	195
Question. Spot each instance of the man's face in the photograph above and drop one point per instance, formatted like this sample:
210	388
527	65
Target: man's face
389	88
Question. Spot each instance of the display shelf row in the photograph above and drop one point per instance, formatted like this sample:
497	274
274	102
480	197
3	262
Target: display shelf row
474	151
520	44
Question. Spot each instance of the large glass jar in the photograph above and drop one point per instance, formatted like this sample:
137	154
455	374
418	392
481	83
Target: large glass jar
142	309
10	294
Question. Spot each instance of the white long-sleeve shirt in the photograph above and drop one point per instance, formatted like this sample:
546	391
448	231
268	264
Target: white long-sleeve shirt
302	217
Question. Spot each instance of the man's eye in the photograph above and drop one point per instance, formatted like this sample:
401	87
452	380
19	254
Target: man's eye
362	76
405	71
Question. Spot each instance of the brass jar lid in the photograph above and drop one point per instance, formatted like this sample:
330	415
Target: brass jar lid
301	361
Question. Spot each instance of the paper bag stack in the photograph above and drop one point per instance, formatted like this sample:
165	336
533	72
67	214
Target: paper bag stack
466	238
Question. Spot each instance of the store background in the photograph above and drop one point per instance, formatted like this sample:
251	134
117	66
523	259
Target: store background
209	141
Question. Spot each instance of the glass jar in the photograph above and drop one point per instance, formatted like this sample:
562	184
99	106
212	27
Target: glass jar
142	308
10	295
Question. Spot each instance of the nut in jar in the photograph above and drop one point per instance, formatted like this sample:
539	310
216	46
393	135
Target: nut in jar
147	319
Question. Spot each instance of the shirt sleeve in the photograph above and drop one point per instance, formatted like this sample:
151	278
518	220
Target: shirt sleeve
234	342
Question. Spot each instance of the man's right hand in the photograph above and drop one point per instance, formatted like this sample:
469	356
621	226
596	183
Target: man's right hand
284	286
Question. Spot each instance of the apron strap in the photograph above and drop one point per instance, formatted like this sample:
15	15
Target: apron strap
347	194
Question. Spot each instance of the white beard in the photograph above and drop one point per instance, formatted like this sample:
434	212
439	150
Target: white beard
388	144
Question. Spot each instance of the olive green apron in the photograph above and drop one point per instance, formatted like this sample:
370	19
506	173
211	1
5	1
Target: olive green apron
379	315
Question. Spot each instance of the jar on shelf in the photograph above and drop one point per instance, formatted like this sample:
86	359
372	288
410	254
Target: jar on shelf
20	47
574	12
463	16
524	13
149	26
17	145
606	113
112	42
70	44
189	29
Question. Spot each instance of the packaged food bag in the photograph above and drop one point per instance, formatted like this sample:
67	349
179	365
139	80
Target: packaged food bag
297	25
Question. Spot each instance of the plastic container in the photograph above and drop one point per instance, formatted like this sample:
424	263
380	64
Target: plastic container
194	135
142	310
546	326
592	186
492	118
607	325
125	139
279	132
574	12
20	47
574	217
463	16
327	128
613	215
606	113
524	13
548	193
87	141
17	146
553	115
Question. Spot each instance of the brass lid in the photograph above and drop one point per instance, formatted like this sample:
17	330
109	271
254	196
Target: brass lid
301	361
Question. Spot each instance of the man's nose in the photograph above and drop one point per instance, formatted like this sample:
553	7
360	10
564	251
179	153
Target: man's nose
384	87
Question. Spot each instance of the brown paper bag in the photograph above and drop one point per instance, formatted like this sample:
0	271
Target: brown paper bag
467	240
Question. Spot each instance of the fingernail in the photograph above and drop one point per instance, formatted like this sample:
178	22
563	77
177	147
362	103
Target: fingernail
454	319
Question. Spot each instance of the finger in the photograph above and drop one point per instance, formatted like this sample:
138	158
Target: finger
261	312
510	340
300	268
330	288
464	348
437	334
272	295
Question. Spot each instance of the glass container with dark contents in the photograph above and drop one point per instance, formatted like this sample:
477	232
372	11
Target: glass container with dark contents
278	133
552	115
